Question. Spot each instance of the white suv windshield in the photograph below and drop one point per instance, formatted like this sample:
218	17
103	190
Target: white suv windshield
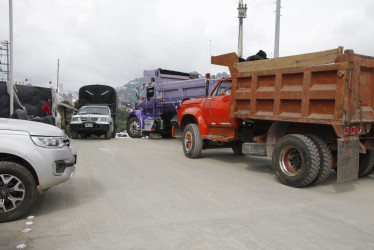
94	110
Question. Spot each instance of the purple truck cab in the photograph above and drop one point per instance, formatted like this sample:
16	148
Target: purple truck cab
157	112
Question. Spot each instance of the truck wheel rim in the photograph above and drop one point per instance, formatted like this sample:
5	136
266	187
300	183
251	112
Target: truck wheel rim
188	141
290	161
134	127
12	192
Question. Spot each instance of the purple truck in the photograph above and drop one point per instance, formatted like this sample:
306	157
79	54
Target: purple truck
157	112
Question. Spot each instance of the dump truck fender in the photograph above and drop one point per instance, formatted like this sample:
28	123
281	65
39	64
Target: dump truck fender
276	131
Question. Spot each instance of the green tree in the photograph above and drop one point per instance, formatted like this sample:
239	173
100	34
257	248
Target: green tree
122	115
76	104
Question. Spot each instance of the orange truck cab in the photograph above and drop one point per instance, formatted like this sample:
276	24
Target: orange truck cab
208	118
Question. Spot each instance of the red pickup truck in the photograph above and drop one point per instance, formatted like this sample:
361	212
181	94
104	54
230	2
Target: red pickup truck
311	113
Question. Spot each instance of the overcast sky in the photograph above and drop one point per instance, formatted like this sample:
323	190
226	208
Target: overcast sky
113	41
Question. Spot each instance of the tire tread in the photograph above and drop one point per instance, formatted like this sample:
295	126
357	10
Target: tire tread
366	163
325	159
311	172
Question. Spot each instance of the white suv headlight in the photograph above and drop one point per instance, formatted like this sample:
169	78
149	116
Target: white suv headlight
48	142
104	119
75	119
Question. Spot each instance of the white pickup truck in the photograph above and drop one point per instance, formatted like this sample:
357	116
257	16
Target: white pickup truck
90	120
33	157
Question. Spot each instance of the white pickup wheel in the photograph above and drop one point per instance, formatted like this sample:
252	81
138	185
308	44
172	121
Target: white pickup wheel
108	134
18	191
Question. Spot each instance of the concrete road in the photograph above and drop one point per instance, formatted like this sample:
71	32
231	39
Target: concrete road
145	194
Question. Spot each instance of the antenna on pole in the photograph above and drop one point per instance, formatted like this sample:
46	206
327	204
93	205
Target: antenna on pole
242	9
277	29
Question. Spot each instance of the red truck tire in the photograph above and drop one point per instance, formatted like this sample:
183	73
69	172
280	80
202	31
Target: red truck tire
237	148
296	160
325	158
192	142
366	163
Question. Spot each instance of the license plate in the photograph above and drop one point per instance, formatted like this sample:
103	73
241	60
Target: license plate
88	125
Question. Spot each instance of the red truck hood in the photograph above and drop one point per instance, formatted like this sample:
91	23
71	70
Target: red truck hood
191	100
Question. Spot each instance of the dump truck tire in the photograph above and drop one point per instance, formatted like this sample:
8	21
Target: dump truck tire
133	127
296	160
325	159
192	142
366	163
237	148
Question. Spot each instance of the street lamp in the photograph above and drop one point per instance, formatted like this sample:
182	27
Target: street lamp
242	13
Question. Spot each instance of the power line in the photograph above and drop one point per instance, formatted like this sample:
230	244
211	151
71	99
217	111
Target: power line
154	32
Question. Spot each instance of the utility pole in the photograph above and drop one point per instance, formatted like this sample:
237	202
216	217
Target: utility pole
58	72
11	56
242	9
277	29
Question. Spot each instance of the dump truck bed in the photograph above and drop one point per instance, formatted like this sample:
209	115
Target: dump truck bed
328	87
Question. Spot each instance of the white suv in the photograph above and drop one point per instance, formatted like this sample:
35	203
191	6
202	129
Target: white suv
90	120
33	157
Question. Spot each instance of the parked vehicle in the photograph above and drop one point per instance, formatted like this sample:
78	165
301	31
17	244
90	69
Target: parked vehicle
33	158
122	134
28	102
97	113
92	120
157	112
310	113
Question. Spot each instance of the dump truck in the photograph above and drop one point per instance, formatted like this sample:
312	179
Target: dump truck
97	114
311	113
157	112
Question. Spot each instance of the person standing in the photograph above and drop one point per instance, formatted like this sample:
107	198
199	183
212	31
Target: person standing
47	107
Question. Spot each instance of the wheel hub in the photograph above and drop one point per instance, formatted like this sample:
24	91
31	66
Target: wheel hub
188	141
291	161
134	127
12	193
4	192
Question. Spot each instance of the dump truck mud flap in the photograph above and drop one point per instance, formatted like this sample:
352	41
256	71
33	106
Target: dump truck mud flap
348	159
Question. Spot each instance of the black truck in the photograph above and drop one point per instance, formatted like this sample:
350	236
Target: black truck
97	112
